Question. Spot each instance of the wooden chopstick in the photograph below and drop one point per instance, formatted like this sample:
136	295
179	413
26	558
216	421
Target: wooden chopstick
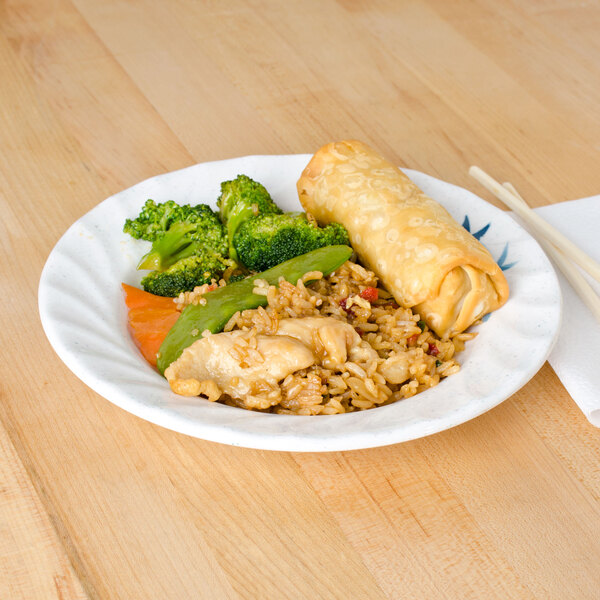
573	276
542	228
571	273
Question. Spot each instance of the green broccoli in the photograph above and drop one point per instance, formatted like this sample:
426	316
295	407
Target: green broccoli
186	274
169	248
189	246
266	240
241	199
176	232
154	219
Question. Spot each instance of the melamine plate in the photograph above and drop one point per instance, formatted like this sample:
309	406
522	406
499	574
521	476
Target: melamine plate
84	316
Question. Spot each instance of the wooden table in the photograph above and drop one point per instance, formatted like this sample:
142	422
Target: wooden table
98	95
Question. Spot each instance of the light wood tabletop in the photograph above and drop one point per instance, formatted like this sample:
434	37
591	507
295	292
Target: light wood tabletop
96	96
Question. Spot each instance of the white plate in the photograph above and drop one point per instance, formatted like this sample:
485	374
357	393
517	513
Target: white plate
84	316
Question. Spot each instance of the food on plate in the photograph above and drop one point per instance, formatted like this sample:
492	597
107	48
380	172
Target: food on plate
260	234
194	245
211	311
176	232
241	199
287	317
422	256
186	274
244	364
353	348
189	246
264	241
212	365
149	318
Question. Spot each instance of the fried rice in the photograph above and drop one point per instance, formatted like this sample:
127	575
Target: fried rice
409	358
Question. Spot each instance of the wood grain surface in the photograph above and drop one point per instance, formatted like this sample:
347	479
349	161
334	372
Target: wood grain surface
98	95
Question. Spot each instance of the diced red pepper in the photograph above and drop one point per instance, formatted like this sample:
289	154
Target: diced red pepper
433	350
370	294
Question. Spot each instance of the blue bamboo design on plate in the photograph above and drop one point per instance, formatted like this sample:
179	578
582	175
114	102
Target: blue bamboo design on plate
479	234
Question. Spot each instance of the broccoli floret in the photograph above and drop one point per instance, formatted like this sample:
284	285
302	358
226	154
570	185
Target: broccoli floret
154	219
266	240
242	198
170	248
186	274
179	232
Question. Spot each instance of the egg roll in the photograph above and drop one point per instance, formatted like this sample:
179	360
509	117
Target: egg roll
424	258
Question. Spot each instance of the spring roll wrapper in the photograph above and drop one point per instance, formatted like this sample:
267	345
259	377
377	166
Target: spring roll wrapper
419	252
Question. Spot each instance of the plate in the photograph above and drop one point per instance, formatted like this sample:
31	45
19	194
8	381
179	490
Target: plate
84	316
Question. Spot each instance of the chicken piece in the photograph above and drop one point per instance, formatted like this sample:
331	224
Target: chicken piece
330	338
194	387
214	358
395	368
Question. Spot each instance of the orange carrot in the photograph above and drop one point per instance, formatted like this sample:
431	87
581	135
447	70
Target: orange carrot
150	318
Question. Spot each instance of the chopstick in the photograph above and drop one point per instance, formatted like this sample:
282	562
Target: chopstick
547	237
519	206
574	277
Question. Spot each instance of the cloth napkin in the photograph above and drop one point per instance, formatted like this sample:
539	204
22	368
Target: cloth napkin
576	355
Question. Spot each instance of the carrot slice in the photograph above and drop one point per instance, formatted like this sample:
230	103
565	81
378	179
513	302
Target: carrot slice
150	318
136	298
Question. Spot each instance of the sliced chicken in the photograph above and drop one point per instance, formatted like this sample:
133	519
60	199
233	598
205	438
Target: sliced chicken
216	358
224	364
333	340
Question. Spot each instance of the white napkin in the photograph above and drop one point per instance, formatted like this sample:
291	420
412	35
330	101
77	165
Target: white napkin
576	356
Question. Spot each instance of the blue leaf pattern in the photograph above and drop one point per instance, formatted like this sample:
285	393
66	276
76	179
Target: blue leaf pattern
502	260
479	234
